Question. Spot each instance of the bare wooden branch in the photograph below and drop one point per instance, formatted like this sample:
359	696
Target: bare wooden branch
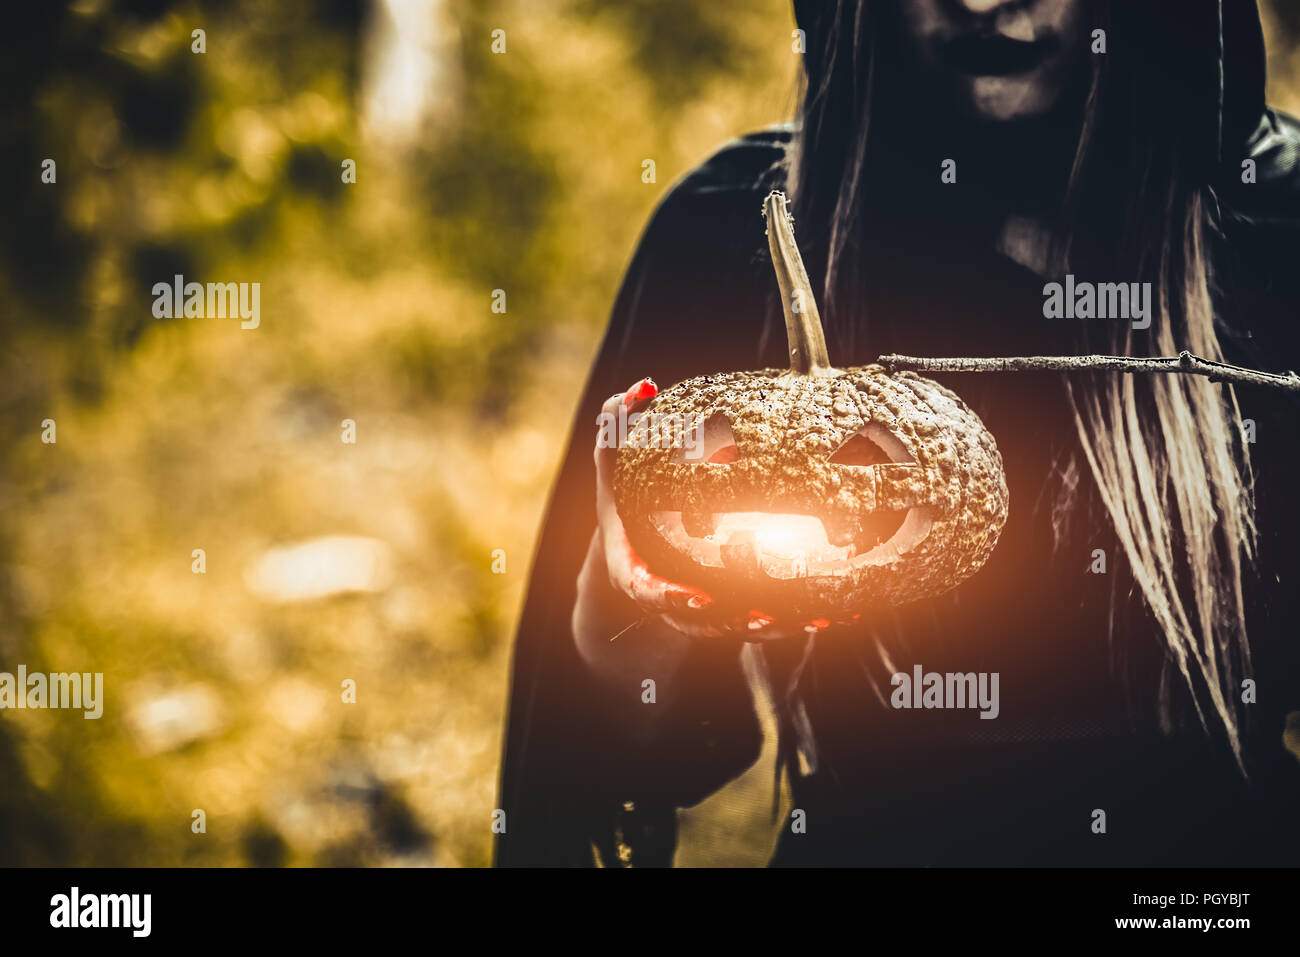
1184	363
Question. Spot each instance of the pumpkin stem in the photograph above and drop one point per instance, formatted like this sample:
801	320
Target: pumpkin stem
803	323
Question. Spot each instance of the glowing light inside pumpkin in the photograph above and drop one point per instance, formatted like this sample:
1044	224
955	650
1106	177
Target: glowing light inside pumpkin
784	545
791	537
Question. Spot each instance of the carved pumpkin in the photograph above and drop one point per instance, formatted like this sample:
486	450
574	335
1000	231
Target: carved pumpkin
811	491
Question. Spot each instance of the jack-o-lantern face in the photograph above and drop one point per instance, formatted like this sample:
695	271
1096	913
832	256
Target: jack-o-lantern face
819	495
811	491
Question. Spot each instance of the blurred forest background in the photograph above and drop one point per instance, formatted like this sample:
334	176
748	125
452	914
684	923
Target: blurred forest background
325	561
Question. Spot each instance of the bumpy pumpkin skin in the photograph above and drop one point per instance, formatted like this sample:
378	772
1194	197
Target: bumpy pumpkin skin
786	428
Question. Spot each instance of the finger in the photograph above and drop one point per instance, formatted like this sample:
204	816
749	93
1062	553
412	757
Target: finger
639	394
606	425
754	626
630	574
612	419
706	628
760	626
627	571
765	629
713	630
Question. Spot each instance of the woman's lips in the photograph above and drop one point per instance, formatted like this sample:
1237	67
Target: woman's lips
996	55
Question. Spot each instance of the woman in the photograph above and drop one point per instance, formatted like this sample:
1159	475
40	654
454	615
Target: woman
952	158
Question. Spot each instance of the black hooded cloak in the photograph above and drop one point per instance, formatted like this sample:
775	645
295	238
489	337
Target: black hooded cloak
890	787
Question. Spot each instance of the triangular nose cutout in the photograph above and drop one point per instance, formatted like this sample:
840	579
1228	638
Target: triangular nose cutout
712	443
873	444
859	450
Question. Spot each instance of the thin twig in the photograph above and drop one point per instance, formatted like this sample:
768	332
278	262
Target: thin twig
639	621
1184	362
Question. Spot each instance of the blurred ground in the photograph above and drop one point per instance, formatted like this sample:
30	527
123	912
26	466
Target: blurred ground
325	561
518	171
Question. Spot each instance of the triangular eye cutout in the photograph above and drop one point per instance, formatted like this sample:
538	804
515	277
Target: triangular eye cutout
860	450
713	444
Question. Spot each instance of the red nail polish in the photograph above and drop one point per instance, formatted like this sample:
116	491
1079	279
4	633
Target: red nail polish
643	390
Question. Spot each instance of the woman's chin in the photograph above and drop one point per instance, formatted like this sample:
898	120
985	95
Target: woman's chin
1005	99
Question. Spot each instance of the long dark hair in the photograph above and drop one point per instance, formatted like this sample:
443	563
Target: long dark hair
1165	452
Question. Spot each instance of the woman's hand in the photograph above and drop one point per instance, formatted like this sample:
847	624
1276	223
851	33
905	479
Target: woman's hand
688	610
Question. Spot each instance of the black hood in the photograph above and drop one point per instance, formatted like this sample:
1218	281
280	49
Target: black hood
1210	50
